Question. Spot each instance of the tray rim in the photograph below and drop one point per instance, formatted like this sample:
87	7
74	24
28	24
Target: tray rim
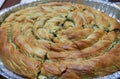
3	11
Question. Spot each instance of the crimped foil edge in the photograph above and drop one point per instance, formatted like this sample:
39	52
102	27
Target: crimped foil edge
109	9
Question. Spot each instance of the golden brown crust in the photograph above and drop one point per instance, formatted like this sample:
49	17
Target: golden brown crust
15	61
70	41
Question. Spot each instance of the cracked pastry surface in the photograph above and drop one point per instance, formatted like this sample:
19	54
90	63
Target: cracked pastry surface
60	40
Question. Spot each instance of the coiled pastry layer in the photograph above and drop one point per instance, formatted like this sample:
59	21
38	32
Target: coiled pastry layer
60	40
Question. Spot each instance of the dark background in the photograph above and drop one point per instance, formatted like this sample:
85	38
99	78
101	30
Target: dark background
6	4
9	3
114	0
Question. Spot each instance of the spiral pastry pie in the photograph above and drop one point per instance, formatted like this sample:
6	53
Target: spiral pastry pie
60	40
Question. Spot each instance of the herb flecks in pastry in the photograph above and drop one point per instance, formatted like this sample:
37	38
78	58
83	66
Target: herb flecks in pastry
60	40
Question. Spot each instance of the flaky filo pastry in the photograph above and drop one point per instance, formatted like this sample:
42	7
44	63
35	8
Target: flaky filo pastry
60	40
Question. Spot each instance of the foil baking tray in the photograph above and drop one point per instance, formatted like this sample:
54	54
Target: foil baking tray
111	9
